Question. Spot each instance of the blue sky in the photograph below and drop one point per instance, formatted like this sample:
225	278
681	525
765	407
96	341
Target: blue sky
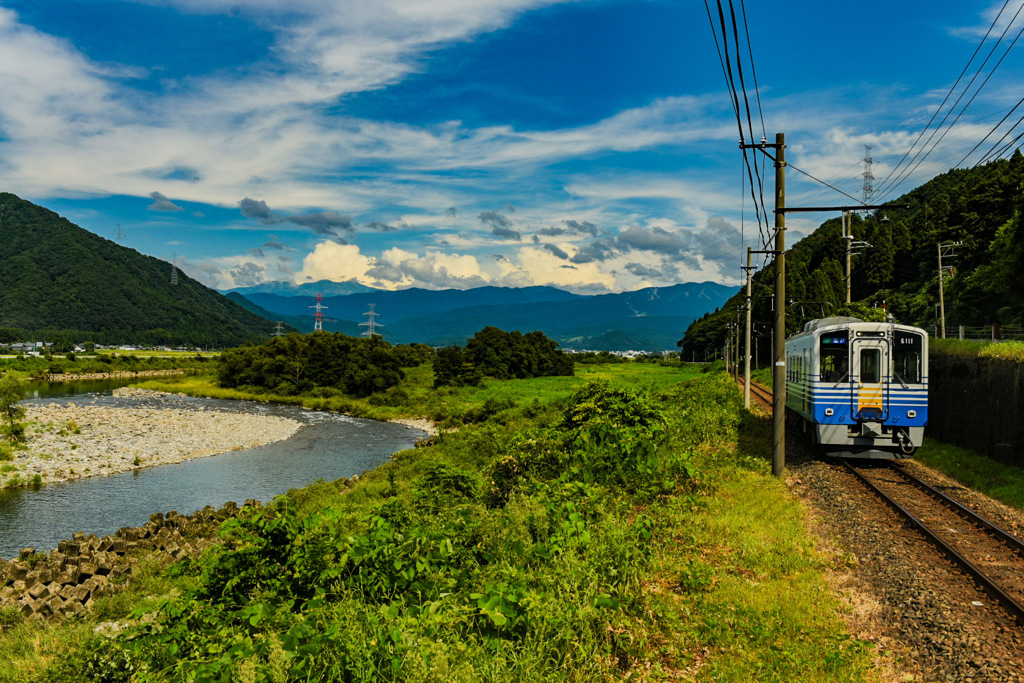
588	145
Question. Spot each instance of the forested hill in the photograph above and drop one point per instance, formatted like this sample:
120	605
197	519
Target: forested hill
59	279
981	207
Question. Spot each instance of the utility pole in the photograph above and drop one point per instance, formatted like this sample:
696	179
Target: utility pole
779	305
853	247
947	250
746	341
736	337
779	322
847	237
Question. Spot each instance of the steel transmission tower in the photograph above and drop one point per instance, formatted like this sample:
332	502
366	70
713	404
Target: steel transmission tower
318	316
868	191
279	329
371	323
174	269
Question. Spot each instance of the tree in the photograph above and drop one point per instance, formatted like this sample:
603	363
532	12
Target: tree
12	390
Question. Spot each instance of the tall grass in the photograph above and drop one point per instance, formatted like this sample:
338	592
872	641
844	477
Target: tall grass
520	548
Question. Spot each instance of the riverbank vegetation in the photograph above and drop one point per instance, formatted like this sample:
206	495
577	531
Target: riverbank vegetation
41	367
581	530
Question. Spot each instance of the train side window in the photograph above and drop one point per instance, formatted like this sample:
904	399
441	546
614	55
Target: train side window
835	358
906	362
869	366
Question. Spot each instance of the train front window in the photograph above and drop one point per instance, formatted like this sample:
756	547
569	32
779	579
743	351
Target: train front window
906	362
835	357
870	366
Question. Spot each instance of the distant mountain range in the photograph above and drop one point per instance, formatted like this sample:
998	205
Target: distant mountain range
57	279
325	287
647	319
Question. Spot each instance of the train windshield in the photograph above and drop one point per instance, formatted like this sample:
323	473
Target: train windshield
870	366
906	362
835	357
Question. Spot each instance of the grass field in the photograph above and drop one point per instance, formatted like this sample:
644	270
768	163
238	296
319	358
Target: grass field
565	532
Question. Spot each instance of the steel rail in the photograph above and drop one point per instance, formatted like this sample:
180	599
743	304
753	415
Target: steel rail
761	392
990	587
958	507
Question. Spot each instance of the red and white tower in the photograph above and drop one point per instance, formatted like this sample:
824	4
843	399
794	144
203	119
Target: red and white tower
318	316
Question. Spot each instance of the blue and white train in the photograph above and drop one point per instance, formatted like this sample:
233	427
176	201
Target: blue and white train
859	389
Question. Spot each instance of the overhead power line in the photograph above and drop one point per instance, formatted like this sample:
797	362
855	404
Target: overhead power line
900	172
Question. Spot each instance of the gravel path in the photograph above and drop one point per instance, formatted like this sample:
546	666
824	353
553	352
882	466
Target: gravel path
71	441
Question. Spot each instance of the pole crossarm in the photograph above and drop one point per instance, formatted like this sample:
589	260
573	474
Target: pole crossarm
858	207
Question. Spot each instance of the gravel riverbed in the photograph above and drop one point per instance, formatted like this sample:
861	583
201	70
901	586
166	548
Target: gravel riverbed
71	440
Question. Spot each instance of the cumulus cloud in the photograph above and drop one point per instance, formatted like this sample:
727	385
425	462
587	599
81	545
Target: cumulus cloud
581	227
248	274
325	223
380	227
252	208
162	203
643	271
433	270
275	244
656	239
596	250
556	251
501	226
333	261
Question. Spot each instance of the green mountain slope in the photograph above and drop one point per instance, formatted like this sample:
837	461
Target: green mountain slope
57	278
982	208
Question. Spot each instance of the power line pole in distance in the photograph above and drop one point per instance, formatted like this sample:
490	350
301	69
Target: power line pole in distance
746	340
946	250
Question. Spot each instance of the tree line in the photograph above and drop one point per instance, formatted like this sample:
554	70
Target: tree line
359	366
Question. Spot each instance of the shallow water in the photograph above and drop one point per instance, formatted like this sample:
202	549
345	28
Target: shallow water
327	446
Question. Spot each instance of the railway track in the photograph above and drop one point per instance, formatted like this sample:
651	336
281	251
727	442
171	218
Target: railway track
990	555
762	394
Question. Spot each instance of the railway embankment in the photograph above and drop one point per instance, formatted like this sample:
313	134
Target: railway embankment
976	402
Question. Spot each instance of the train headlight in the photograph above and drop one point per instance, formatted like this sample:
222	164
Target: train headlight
911	414
829	412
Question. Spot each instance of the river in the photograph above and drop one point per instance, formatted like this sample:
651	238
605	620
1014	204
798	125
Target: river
327	446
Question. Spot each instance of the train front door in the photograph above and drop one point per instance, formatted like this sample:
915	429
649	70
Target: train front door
869	357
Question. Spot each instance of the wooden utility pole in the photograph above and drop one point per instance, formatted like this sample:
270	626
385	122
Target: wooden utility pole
947	250
779	304
848	238
942	297
746	344
779	321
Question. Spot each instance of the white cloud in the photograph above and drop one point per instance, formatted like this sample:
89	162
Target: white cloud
333	261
